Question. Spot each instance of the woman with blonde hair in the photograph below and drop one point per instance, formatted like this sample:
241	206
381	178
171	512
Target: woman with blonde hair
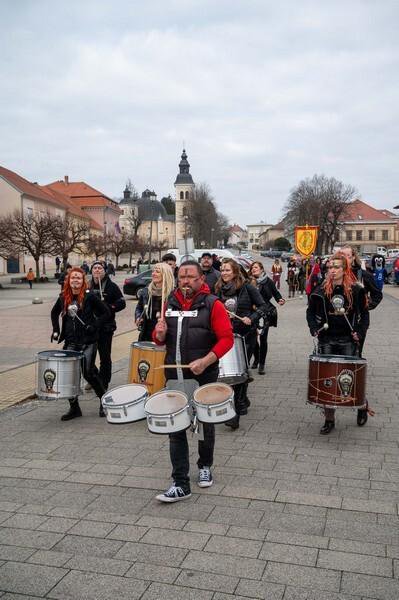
148	309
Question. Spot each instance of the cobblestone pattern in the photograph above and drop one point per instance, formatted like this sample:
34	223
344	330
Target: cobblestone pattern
291	516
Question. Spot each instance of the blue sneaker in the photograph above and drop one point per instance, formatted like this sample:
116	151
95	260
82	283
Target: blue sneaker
205	477
173	494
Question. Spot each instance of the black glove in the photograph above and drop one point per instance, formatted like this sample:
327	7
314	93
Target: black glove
54	337
90	329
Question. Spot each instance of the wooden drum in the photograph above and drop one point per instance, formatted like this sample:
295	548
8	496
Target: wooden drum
337	381
144	357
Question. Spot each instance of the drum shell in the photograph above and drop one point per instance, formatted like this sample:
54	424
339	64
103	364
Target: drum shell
166	423
58	374
326	371
214	413
119	409
233	366
144	358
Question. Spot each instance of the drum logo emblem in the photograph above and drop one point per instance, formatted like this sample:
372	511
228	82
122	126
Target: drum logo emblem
345	382
143	369
49	377
327	383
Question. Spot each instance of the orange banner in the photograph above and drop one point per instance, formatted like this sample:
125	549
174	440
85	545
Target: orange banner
306	239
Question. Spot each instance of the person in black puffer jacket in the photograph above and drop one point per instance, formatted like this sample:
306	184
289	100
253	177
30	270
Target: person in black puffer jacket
111	295
80	332
244	300
268	290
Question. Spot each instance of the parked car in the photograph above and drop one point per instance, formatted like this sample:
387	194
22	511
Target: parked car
132	285
285	256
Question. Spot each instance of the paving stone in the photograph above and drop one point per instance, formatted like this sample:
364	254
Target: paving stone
24	521
293	523
203	581
49	558
15	553
295	593
28	538
76	544
158	555
359	531
250	568
238	516
92	528
128	533
233	546
190	540
284	553
223	500
312	577
303	509
9	506
75	499
162	522
57	524
95	564
357	563
357	547
260	589
173	592
248	533
209	528
392	551
151	572
93	586
309	499
351	516
381	588
370	506
90	477
24	578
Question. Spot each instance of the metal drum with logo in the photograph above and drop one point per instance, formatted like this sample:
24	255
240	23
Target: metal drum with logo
58	374
337	381
144	358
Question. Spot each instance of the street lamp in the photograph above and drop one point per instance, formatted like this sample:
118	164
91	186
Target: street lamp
212	230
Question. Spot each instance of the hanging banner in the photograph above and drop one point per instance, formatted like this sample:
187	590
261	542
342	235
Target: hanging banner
306	239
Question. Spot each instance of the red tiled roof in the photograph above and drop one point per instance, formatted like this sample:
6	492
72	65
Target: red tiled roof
26	187
279	226
67	203
358	208
237	228
388	213
82	194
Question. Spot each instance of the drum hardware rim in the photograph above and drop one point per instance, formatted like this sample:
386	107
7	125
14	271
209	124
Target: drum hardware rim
337	358
337	406
167	415
209	406
125	406
141	345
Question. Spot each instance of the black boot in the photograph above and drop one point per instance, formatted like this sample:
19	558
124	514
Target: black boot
234	423
254	364
101	412
362	417
73	412
240	405
327	427
261	369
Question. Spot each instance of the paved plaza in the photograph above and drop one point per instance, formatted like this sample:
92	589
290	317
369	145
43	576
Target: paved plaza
292	515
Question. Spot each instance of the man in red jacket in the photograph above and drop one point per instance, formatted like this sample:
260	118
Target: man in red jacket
197	331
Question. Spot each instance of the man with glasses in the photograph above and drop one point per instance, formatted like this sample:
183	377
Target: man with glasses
197	332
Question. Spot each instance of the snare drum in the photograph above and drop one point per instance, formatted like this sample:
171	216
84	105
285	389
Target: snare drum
337	381
168	412
58	374
125	403
144	357
214	403
233	366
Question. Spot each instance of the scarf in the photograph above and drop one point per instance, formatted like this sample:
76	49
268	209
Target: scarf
228	290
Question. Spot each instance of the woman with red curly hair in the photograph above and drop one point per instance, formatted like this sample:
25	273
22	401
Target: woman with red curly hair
79	331
338	316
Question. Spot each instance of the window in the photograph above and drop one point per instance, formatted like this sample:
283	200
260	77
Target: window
359	236
371	235
181	195
187	195
349	236
385	235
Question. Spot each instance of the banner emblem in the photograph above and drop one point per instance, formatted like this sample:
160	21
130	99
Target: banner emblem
306	239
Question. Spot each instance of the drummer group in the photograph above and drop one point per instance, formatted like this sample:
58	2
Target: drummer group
199	313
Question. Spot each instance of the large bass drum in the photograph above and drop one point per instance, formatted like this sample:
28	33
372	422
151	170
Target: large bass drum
58	374
233	366
337	381
144	358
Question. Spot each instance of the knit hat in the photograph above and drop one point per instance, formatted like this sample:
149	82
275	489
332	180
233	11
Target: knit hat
98	262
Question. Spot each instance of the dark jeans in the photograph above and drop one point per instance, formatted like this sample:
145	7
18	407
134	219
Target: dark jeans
30	284
260	350
179	450
89	369
104	346
341	346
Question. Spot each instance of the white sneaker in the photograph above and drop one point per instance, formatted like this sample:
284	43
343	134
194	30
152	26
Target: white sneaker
205	478
173	494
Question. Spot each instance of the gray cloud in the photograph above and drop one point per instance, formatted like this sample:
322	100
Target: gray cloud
263	95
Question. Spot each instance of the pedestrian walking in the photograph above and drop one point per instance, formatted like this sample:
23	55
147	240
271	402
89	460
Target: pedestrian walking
277	269
30	277
57	264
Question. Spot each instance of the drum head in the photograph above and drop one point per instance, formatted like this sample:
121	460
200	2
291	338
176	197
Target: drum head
166	403
125	394
59	354
213	393
148	346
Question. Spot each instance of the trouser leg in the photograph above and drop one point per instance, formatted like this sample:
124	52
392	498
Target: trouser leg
104	347
90	371
179	456
206	446
263	346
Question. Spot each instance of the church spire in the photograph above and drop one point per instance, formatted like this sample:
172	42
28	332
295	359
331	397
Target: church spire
184	170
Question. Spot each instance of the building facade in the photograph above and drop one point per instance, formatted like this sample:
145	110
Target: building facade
254	233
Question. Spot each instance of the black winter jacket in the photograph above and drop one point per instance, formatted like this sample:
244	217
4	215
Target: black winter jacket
93	313
112	297
268	290
211	277
367	280
249	304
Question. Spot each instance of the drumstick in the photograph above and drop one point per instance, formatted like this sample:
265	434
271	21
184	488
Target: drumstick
163	295
236	316
172	367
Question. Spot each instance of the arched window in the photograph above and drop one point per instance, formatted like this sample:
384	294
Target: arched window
187	195
181	195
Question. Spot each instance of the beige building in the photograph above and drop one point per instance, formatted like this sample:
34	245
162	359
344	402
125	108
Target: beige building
267	238
254	234
238	236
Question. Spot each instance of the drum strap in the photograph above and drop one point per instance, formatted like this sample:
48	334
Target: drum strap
180	314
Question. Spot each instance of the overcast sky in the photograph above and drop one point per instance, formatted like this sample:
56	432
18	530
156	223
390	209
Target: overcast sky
263	93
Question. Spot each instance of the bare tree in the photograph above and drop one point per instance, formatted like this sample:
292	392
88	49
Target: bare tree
96	244
30	233
69	235
118	244
319	201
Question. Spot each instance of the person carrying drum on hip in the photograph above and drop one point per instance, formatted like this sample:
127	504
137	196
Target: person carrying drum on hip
197	332
245	305
111	295
338	316
82	314
148	308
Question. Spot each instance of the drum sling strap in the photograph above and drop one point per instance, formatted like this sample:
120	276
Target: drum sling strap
180	315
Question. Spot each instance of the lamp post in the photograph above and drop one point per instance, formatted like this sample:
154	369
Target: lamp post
212	230
150	248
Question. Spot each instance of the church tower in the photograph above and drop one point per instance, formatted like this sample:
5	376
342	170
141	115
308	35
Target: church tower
185	187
